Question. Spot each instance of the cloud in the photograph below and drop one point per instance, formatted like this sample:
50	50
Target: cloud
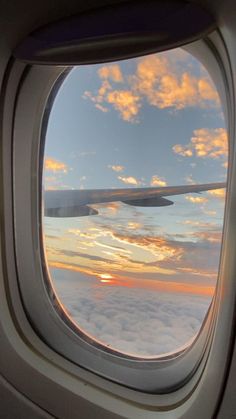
125	102
157	181
116	167
158	80
207	91
205	143
112	72
129	180
196	199
166	87
198	224
134	321
159	246
134	226
177	92
189	179
182	151
200	254
108	209
214	236
138	247
212	213
76	254
53	165
114	248
217	193
101	108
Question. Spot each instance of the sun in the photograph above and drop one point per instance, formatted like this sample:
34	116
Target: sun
105	276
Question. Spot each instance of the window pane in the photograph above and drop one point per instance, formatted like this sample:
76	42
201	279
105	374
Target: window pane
136	268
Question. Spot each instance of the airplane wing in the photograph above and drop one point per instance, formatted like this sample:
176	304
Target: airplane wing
75	203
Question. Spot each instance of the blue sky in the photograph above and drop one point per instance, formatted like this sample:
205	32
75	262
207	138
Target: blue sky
150	121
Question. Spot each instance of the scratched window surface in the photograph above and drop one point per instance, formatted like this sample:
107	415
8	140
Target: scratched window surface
133	258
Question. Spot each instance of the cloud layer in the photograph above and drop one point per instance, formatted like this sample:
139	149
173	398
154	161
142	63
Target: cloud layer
129	245
137	322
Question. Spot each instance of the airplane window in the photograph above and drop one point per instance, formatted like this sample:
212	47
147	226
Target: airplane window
135	167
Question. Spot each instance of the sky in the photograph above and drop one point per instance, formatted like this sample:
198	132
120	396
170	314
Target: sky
138	280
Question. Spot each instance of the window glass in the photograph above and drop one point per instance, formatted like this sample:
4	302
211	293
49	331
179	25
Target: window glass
136	268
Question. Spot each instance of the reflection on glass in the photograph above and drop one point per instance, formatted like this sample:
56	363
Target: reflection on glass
136	269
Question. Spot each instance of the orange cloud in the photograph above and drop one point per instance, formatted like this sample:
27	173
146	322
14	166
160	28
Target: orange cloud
207	91
70	267
116	168
210	236
159	80
199	224
134	226
112	72
129	180
142	254
218	193
140	257
165	87
182	151
159	246
125	102
53	165
196	199
157	181
149	71
114	248
211	143
110	207
103	90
